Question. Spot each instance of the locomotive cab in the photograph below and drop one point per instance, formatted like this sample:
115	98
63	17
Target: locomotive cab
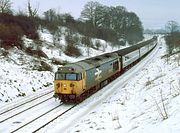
67	84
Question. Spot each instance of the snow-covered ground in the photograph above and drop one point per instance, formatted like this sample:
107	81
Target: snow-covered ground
143	100
17	77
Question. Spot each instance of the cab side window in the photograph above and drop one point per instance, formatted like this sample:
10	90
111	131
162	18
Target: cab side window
79	76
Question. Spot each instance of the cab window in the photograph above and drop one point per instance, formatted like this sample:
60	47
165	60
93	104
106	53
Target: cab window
68	76
60	76
71	76
79	77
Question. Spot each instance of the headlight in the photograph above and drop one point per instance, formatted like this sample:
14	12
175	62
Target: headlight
64	85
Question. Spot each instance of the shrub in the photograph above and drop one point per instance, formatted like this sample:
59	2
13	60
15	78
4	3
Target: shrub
58	62
12	28
173	42
97	44
38	53
45	67
4	53
86	40
10	35
71	50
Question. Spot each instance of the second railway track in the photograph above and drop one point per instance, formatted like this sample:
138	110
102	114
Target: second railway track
31	115
44	119
6	109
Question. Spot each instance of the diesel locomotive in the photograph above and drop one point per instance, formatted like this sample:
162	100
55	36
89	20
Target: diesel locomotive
75	82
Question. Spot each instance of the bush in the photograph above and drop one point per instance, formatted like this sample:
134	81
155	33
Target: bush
71	50
4	53
28	25
12	28
58	62
10	35
97	44
173	42
86	40
45	67
38	53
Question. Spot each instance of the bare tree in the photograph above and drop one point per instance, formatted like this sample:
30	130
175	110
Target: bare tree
50	15
32	12
172	26
172	39
5	6
89	12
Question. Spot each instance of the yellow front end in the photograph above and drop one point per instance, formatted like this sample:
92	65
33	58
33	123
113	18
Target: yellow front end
68	87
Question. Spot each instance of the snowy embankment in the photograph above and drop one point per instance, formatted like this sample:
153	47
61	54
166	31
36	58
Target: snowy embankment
19	75
17	79
148	102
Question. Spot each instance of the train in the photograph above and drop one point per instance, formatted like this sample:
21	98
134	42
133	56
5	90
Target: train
74	82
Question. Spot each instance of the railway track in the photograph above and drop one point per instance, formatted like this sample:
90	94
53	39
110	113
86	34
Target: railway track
9	114
29	127
14	113
24	106
32	115
6	109
37	123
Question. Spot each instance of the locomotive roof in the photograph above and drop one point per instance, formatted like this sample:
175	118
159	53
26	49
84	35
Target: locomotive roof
88	63
70	68
101	59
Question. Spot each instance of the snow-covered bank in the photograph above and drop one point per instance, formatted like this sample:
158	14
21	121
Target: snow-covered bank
17	78
19	75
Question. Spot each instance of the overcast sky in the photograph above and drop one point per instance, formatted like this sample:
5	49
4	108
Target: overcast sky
153	14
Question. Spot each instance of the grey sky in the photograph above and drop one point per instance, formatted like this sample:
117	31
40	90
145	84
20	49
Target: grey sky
153	13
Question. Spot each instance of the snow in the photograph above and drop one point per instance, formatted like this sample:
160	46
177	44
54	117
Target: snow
17	81
131	104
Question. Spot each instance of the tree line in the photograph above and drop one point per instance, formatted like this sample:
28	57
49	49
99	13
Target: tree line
126	25
112	24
